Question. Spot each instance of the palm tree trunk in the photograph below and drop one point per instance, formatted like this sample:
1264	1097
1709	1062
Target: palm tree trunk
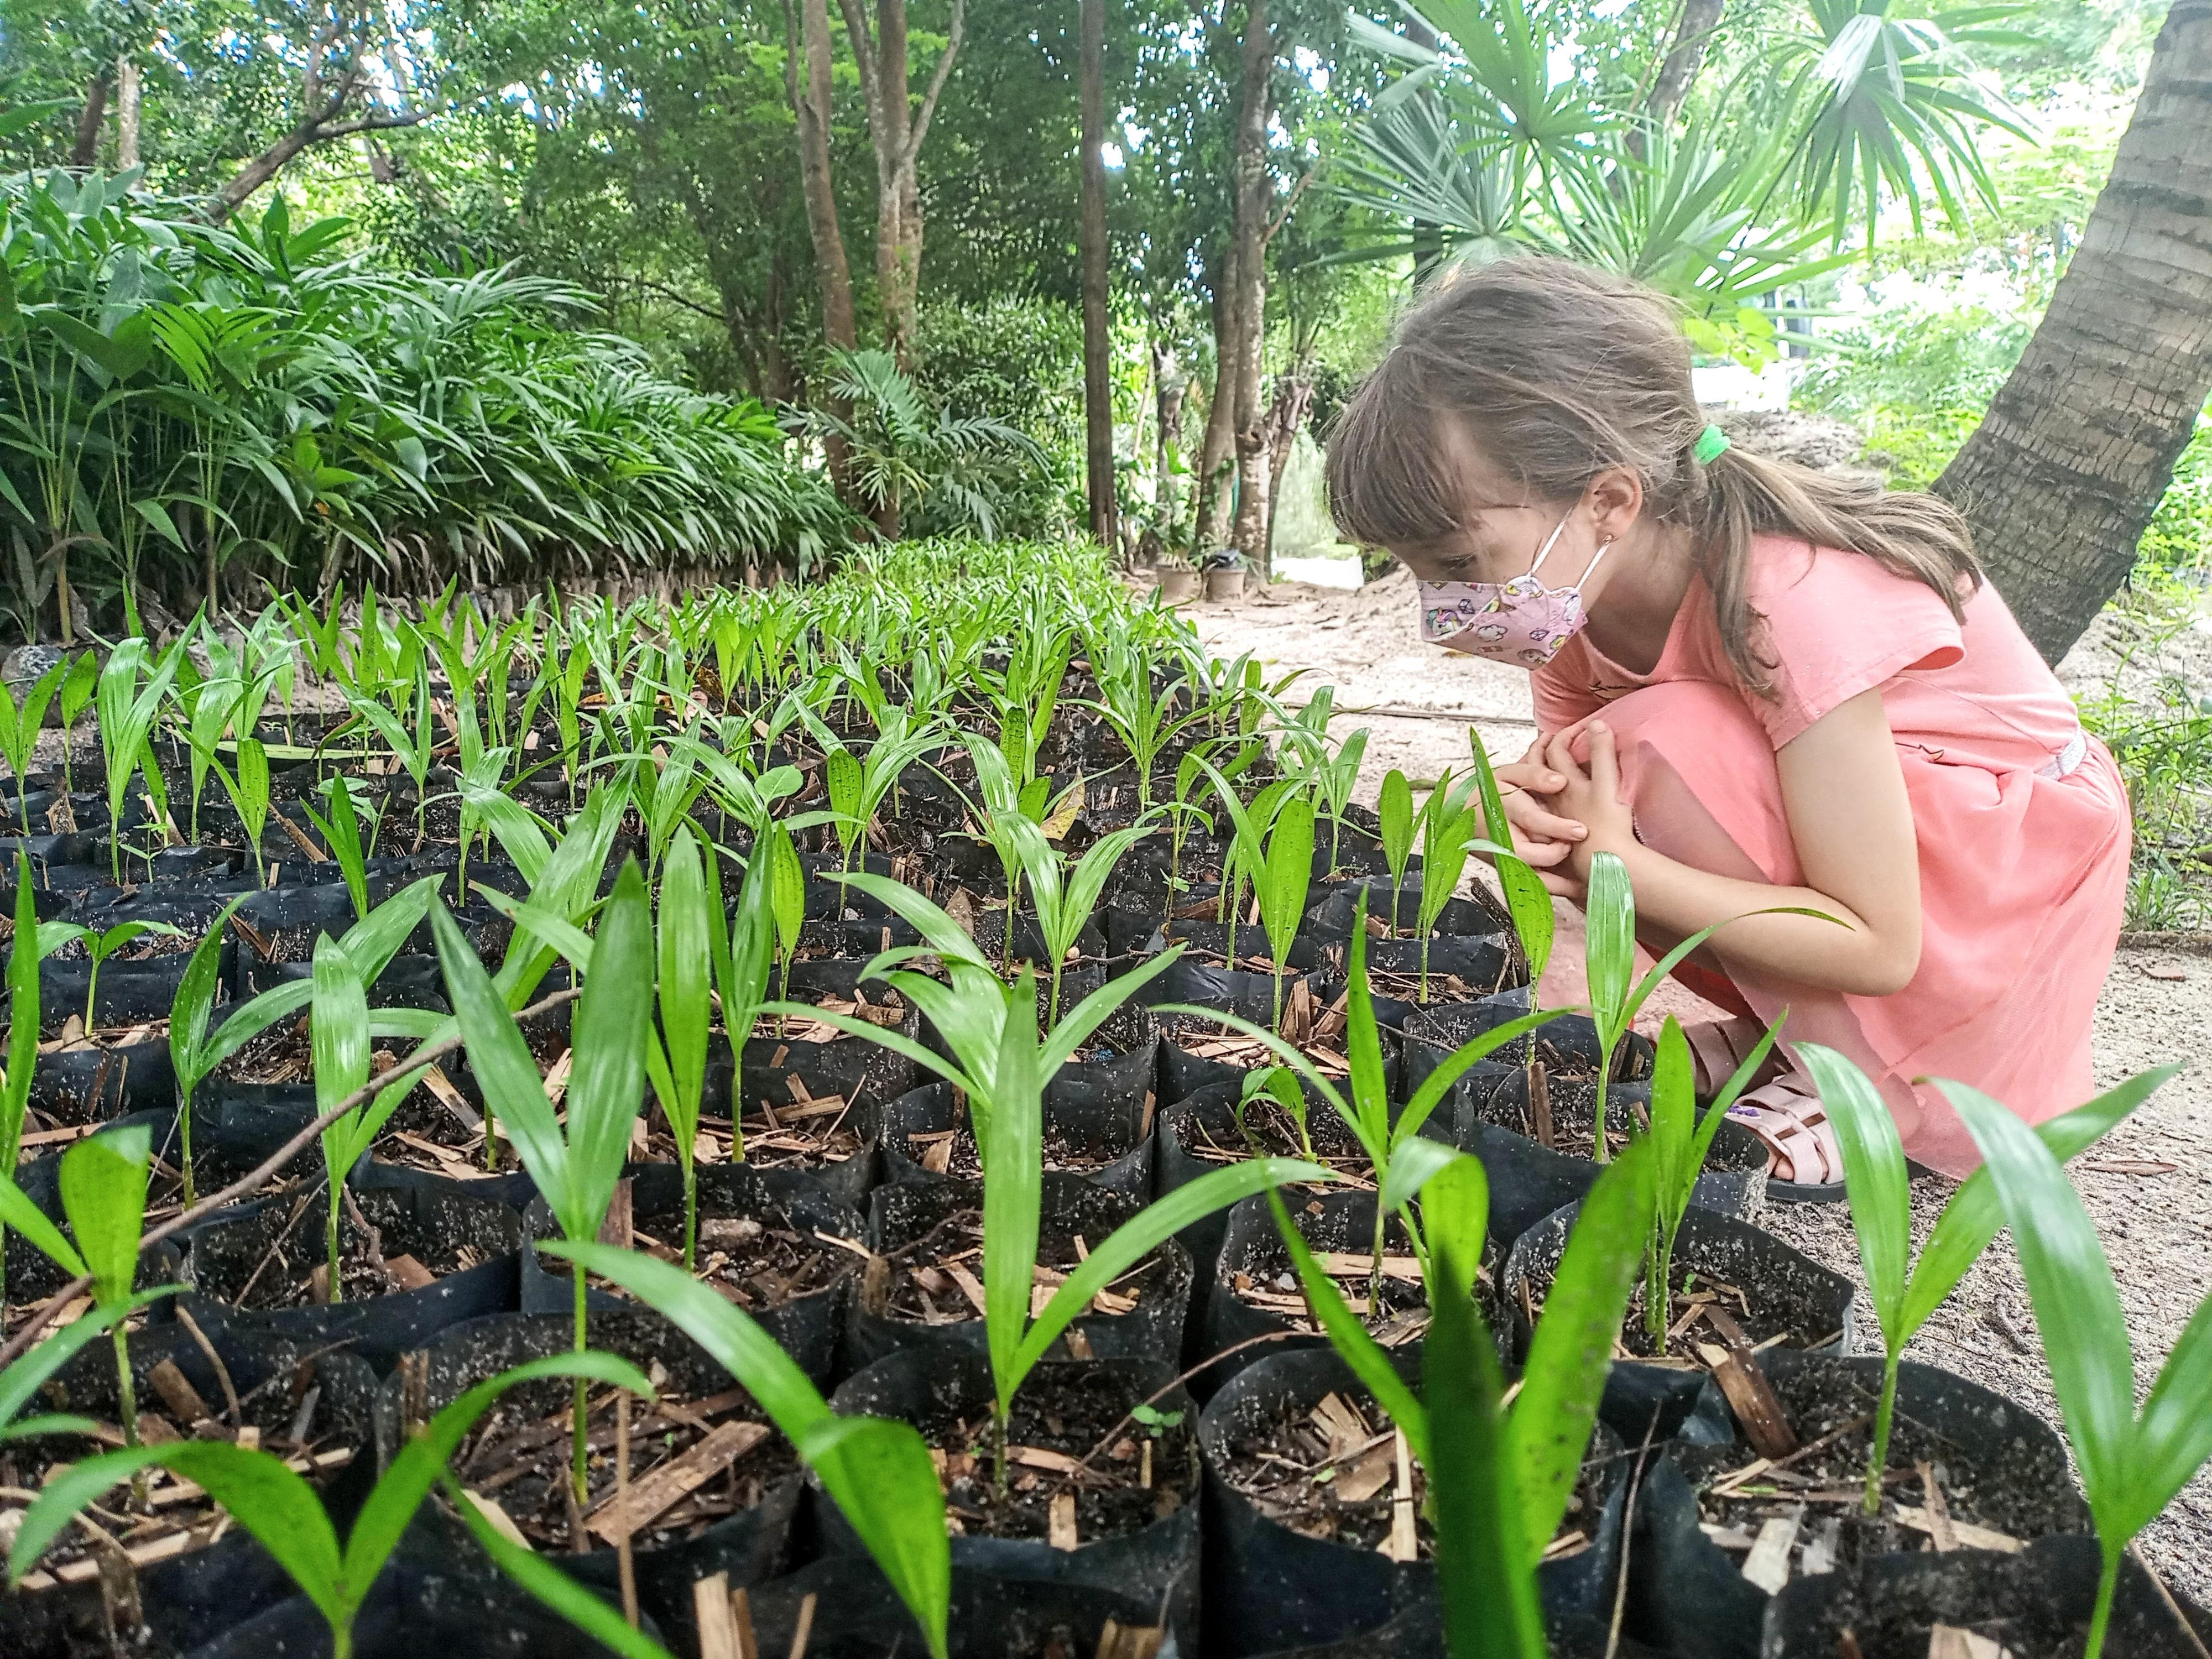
1098	340
2066	468
1255	202
128	91
811	107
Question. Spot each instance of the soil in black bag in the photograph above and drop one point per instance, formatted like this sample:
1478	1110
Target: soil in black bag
1255	1270
284	1054
521	1459
312	1409
929	1289
1073	1447
2033	1604
1338	1472
929	1132
940	1281
1997	1473
764	1243
710	1483
1316	1533
850	1612
1731	1287
439	1125
390	1241
1217	1127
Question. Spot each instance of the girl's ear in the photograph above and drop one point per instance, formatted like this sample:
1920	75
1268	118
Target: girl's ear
1615	499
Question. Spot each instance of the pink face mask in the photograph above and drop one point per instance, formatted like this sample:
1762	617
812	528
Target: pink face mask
1520	622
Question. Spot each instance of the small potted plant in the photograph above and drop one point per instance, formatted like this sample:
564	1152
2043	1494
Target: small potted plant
1225	574
1179	579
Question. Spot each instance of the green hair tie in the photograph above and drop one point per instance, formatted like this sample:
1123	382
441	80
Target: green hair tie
1708	446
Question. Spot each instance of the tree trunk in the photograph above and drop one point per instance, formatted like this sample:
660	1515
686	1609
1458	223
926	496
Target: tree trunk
897	127
1216	447
1255	202
2065	471
1287	418
127	99
1169	387
90	119
1098	339
1428	236
812	109
1685	55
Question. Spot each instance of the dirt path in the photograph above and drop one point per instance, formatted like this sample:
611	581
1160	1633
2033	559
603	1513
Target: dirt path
2148	1187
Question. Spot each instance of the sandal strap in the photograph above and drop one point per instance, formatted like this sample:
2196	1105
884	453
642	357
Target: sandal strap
1789	1120
1719	1046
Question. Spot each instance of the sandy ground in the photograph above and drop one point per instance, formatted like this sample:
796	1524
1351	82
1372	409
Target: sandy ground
2155	1218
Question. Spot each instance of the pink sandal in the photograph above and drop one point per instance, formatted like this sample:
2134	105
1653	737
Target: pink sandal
1805	1162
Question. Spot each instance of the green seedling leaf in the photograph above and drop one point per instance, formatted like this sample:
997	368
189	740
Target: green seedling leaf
1571	1350
1484	1577
1394	808
501	1063
341	833
1526	899
686	966
103	1188
337	1031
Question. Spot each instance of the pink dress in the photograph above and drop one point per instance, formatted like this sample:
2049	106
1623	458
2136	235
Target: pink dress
2021	819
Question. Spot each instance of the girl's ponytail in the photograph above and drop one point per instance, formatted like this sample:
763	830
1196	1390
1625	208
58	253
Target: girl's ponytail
1559	372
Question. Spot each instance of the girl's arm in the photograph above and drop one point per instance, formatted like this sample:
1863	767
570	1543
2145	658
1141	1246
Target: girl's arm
1843	795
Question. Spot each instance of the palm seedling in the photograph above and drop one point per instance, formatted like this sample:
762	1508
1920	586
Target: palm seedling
1064	900
208	705
859	785
2131	1464
22	1039
1396	1149
1254	826
98	947
287	1515
413	748
1500	1488
103	1187
248	790
1334	774
1182	810
1281	870
196	1052
1393	809
575	1165
127	714
997	1059
1906	1292
875	1470
1144	719
1616	996
1527	901
1679	1139
786	899
695	949
19	730
76	694
1449	825
341	833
